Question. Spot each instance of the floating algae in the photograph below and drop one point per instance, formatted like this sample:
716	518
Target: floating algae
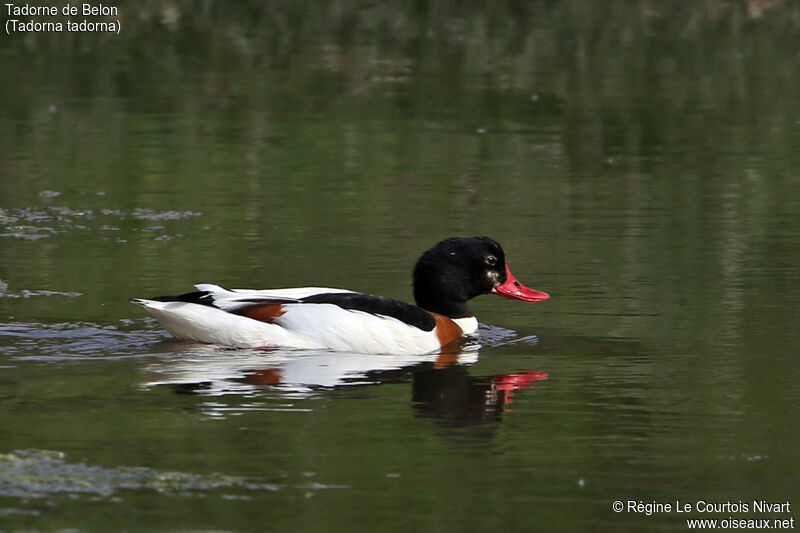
34	223
40	473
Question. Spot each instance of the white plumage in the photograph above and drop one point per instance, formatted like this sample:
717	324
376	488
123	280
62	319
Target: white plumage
301	325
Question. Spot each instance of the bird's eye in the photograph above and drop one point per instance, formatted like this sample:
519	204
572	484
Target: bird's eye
491	260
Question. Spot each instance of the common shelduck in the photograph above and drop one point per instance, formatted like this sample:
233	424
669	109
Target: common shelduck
445	278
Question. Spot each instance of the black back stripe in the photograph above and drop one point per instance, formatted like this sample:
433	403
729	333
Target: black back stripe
194	297
376	305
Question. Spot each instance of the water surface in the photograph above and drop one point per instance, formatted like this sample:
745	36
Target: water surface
638	163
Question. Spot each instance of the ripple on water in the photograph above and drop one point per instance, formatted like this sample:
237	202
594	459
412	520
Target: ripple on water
130	338
75	341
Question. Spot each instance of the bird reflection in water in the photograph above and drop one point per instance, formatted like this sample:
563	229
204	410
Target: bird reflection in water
442	386
455	397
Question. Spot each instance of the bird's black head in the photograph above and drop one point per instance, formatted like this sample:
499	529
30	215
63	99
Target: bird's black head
456	270
460	268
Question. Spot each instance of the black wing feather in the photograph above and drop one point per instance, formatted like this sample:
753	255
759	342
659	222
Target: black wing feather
206	298
376	305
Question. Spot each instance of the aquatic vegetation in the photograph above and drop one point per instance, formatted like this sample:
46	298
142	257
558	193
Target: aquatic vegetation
37	473
33	223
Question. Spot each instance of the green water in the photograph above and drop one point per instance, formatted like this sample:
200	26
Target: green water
637	161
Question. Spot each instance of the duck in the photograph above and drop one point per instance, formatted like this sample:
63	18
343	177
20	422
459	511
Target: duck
445	278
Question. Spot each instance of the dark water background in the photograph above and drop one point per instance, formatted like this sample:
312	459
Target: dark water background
639	161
